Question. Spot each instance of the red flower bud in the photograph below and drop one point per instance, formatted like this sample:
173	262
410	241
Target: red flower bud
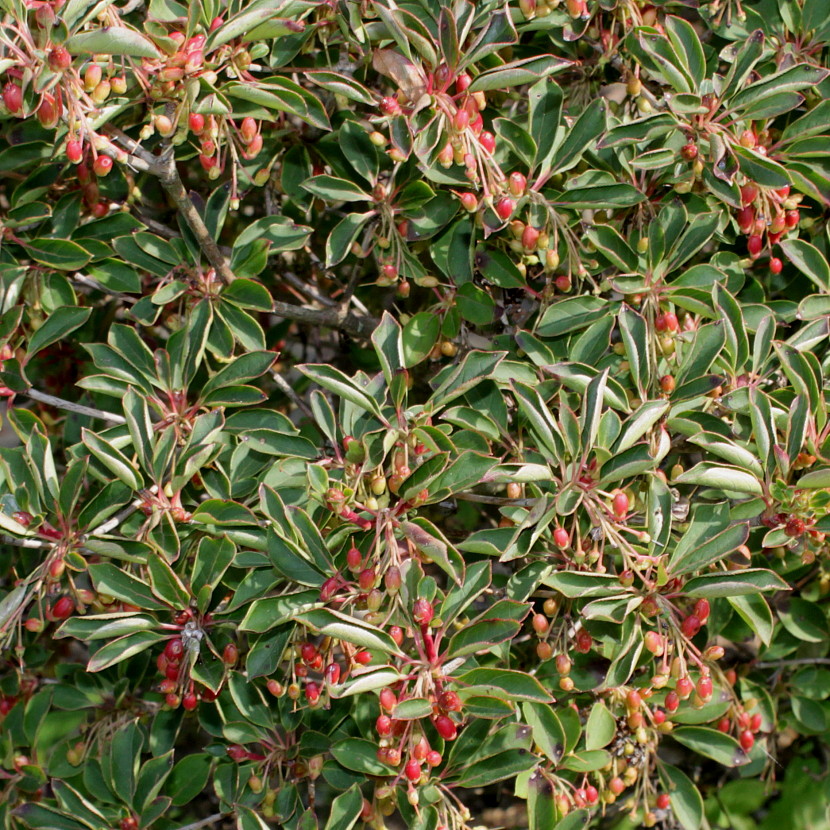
517	182
13	97
102	165
63	608
59	59
446	727
422	611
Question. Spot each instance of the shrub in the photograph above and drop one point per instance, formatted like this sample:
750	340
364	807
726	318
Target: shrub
414	407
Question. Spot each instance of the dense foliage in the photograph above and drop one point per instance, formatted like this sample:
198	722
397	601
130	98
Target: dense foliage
416	414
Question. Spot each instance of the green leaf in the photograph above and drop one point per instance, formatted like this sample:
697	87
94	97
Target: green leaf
795	78
811	716
340	84
687	46
123	648
506	764
635	337
335	189
345	809
281	234
166	584
713	549
723	477
575	820
359	755
335	381
512	685
57	326
223	514
105	626
545	99
387	339
248	294
267	612
548	733
420	334
246	20
413	708
581	135
744	57
587	760
424	536
112	40
349	629
543	426
473	369
344	234
498	33
601	196
809	260
49	818
541	807
760	169
499	269
475	305
571	314
639	130
112	580
711	744
804	620
734	583
244	368
516	73
479	637
576	584
754	611
600	728
610	243
686	801
213	558
113	459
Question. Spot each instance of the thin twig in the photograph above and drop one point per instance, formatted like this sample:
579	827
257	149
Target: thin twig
158	227
293	280
119	517
794	661
202	822
78	408
482	499
24	543
285	388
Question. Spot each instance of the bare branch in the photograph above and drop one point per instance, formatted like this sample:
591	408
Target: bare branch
135	148
332	318
24	543
171	182
482	499
70	406
295	282
119	517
